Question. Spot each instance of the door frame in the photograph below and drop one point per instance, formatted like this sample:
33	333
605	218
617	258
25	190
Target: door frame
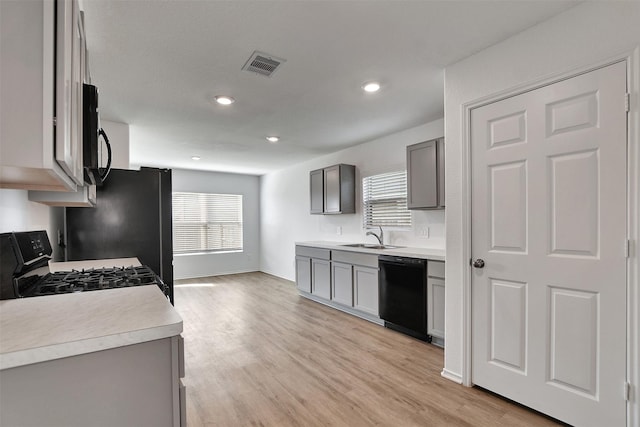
632	60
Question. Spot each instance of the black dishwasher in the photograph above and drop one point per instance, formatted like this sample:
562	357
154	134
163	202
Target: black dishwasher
403	295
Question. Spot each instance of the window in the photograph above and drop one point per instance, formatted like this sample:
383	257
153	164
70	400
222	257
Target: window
385	200
205	222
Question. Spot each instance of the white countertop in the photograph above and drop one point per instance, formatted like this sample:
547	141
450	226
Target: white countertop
435	254
93	263
38	329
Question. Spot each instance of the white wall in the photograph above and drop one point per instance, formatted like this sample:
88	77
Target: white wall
579	37
284	202
17	213
201	265
118	134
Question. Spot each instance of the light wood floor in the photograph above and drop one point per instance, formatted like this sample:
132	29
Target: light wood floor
257	354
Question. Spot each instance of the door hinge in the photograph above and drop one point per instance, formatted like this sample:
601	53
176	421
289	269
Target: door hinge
627	102
627	248
627	391
55	121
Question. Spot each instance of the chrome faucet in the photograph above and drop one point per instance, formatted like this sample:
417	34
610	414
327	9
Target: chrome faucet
379	237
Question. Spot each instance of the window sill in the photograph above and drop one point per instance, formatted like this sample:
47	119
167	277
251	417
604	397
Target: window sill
208	253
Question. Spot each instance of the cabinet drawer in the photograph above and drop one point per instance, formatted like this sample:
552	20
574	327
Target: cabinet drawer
435	269
355	258
310	252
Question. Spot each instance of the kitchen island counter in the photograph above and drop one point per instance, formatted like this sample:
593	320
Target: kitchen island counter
45	328
434	254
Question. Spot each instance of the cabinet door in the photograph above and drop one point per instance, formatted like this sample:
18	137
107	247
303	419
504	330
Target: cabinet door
365	288
77	80
441	163
321	278
342	283
435	307
27	70
303	273
316	179
68	153
332	189
422	175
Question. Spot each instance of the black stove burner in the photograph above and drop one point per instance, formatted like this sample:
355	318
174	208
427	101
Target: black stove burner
95	279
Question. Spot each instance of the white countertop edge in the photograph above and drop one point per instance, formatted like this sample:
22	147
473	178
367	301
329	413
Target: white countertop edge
91	345
93	263
435	254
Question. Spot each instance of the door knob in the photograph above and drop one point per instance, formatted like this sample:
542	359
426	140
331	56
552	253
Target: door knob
478	263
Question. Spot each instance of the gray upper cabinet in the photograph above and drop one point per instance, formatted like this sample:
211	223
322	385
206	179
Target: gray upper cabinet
40	74
425	175
317	191
333	190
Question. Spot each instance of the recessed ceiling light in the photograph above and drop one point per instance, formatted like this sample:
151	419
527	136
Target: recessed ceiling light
195	157
371	87
273	139
224	100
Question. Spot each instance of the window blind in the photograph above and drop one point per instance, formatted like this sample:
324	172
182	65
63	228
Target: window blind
205	222
385	200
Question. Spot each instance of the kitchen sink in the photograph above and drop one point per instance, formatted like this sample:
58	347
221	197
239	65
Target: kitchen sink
371	246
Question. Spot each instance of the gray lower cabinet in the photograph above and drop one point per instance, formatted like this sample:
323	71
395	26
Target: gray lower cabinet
425	175
365	289
344	280
342	283
348	281
435	299
321	278
134	385
355	278
313	271
303	273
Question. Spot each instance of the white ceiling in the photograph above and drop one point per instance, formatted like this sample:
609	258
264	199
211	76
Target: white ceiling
158	65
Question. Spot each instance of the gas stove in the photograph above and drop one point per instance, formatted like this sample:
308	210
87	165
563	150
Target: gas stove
24	271
63	282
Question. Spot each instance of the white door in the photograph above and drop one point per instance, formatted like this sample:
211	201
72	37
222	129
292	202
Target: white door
549	221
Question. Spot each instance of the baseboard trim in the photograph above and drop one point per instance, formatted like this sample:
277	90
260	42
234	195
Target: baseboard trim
218	273
456	378
366	316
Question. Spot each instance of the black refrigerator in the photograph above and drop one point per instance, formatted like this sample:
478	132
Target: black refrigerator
132	218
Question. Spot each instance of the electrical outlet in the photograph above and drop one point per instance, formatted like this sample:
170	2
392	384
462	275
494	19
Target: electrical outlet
424	232
339	230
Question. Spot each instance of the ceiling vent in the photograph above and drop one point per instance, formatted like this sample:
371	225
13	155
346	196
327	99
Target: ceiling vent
263	63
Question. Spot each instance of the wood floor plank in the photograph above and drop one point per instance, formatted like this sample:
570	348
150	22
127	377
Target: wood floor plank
258	354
